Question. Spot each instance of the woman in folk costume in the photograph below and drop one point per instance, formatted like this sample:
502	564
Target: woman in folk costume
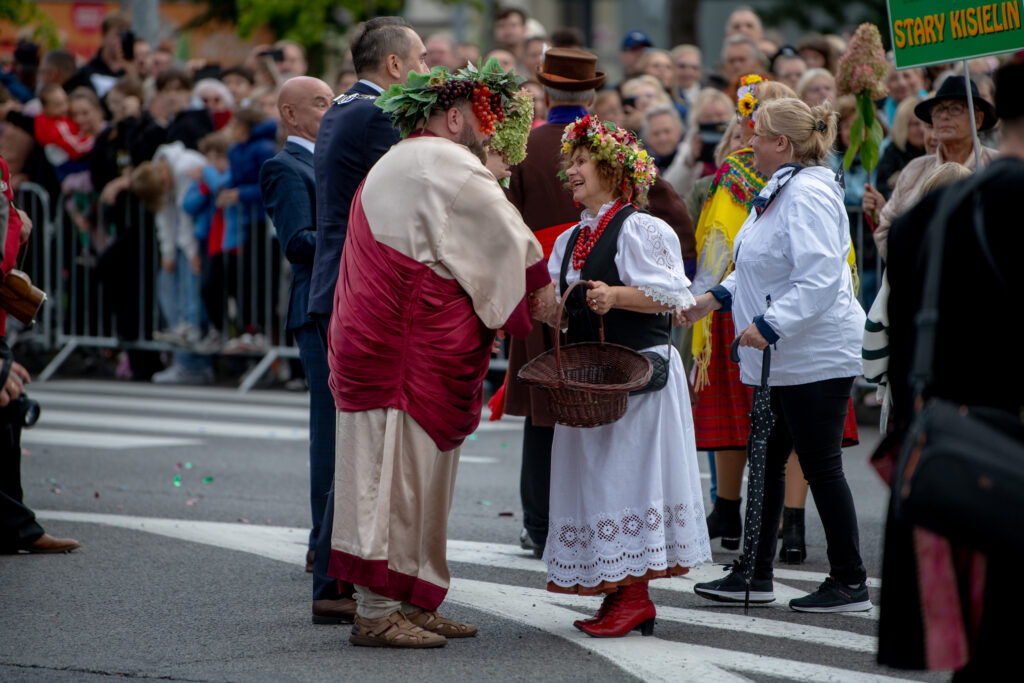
721	413
626	503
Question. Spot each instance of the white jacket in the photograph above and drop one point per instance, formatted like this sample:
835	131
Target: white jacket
174	226
795	255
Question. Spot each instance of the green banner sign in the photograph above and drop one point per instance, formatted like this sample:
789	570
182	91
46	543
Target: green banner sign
937	31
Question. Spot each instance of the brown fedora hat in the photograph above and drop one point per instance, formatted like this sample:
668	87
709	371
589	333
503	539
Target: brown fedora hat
566	68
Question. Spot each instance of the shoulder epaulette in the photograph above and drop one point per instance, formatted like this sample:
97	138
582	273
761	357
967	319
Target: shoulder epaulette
346	98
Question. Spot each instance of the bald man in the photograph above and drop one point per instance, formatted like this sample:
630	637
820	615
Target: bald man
289	193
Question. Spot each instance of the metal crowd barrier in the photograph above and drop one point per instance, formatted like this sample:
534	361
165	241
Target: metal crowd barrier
81	259
869	265
34	258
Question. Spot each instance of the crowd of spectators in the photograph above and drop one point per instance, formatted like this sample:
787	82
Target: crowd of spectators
136	148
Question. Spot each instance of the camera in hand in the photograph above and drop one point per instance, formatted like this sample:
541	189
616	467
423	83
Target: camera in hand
710	135
128	44
26	411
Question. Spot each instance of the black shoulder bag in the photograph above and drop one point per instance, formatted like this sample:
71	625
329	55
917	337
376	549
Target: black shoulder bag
960	471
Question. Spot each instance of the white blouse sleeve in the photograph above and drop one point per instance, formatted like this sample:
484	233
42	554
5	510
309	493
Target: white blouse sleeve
650	259
555	261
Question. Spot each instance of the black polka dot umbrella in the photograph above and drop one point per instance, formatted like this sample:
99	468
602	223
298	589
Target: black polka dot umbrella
761	422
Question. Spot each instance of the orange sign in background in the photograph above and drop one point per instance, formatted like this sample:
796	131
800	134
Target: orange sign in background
78	26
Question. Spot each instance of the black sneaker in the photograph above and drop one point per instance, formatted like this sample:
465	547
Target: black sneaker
833	596
732	588
526	542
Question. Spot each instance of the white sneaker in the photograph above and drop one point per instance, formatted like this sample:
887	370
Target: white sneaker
247	344
182	334
210	344
176	374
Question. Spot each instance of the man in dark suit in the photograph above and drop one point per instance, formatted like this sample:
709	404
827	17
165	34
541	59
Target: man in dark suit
569	77
354	134
289	194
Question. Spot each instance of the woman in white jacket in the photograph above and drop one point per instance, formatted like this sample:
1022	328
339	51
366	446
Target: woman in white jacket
792	288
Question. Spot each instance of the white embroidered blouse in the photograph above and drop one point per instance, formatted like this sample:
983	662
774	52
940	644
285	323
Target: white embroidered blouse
647	256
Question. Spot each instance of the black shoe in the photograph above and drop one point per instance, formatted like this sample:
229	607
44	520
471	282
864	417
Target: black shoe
526	542
833	596
732	588
724	521
793	550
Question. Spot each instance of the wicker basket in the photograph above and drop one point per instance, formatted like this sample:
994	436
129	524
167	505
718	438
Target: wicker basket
587	384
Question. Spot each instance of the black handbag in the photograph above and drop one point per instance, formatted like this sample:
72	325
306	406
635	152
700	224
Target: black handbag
960	471
659	372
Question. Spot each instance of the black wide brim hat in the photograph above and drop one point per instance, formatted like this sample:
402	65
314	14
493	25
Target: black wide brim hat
953	88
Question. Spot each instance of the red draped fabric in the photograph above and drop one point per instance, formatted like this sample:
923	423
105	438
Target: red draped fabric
13	241
403	337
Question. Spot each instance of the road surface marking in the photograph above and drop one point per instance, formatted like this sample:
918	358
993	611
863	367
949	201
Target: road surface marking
41	436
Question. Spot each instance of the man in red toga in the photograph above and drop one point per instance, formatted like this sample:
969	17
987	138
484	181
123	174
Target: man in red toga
435	260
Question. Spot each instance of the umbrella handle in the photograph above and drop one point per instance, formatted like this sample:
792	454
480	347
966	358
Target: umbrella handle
766	365
766	359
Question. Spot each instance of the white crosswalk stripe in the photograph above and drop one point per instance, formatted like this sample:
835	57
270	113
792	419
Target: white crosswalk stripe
121	416
652	659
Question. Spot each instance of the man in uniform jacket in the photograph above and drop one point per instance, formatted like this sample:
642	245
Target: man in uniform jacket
569	78
354	133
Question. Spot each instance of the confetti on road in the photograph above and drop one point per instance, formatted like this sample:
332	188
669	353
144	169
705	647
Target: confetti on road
484	502
207	480
191	501
177	480
472	437
188	466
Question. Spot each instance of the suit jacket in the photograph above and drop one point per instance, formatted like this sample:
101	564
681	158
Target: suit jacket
544	201
354	134
289	194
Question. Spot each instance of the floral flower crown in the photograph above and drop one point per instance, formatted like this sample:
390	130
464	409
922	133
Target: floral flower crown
746	96
616	146
494	95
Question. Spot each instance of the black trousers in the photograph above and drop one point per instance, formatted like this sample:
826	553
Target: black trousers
535	479
810	419
18	526
325	587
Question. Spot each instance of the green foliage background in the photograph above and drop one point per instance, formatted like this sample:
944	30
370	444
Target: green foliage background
27	12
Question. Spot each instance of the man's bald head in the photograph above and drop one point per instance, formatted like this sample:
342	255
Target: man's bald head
302	102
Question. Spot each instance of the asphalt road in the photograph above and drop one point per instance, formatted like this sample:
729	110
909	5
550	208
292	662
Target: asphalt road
191	508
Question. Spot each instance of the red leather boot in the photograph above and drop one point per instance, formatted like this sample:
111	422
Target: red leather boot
632	609
609	600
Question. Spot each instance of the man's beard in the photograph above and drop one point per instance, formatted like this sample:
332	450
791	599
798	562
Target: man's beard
467	138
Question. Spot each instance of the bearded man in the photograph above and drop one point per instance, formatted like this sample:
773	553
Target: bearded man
433	264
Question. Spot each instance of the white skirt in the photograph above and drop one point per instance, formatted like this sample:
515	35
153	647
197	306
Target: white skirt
626	497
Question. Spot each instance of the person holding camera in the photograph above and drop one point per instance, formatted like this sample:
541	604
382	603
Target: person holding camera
111	60
18	527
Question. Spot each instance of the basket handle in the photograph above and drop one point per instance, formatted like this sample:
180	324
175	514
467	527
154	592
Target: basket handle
558	332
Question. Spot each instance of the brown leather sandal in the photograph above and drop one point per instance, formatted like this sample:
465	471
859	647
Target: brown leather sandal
432	621
394	630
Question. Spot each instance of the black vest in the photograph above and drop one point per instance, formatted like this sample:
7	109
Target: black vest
628	328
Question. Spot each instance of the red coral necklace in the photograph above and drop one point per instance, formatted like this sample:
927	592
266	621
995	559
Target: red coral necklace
587	239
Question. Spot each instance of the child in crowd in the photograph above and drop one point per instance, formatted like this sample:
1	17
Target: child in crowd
58	135
200	203
161	186
254	135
